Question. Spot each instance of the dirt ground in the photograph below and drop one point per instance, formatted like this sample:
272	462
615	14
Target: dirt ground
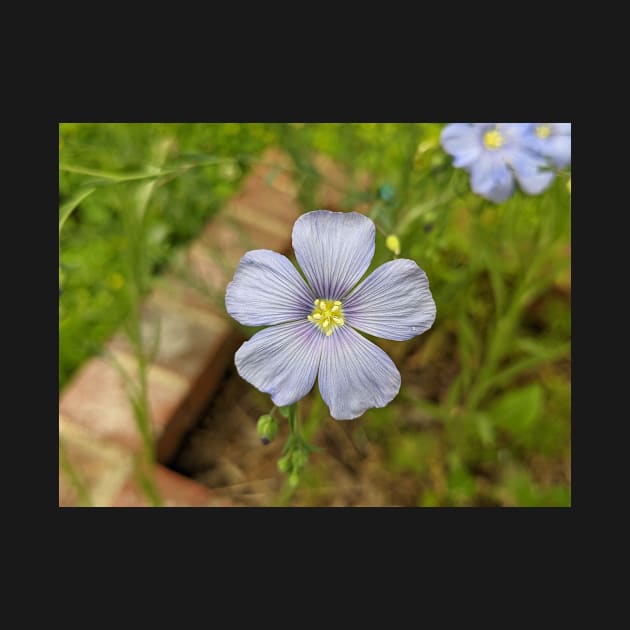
225	453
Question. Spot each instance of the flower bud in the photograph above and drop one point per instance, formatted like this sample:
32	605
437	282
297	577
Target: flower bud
393	244
386	192
299	459
294	479
267	428
284	464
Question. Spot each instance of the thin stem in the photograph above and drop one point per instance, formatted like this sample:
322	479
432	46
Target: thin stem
76	481
136	241
66	210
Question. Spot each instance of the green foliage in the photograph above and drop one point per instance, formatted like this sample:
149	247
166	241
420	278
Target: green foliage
517	409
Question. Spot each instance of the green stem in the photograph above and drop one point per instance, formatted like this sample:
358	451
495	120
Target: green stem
315	415
293	419
414	135
79	487
66	210
136	242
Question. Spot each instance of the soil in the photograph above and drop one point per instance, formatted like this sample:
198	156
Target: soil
225	453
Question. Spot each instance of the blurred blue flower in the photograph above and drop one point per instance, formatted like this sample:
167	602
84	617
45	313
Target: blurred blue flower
495	154
551	140
313	324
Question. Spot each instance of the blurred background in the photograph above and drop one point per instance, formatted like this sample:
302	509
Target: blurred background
483	417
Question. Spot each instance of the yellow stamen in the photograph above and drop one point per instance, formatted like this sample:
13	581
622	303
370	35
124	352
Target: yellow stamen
327	315
543	131
392	242
493	139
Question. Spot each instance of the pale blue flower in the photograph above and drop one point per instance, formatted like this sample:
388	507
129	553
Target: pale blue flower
313	324
495	154
551	140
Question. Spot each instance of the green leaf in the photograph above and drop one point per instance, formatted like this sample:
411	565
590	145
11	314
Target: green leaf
485	429
469	348
518	409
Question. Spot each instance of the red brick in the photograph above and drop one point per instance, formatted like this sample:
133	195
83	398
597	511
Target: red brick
67	494
257	193
334	181
225	238
181	337
183	287
100	468
281	178
207	270
175	490
97	400
268	232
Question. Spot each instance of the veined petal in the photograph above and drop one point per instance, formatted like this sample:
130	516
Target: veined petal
463	142
282	360
334	249
393	302
267	289
492	179
355	375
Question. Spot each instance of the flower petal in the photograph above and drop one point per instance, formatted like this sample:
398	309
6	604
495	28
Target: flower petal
334	249
558	149
561	128
282	360
491	178
528	169
393	302
463	142
267	289
355	375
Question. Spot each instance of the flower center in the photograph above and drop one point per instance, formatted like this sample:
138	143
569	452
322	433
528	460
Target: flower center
543	131
328	315
493	139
